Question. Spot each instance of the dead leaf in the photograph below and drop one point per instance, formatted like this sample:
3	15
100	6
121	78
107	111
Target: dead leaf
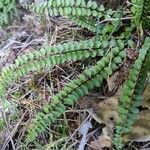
141	128
106	112
111	82
107	109
101	143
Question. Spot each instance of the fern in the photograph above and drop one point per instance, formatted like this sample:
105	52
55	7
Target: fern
132	93
77	88
87	14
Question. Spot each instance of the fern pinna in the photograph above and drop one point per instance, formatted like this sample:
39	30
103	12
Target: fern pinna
106	44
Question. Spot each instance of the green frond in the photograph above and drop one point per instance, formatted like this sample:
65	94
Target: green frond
77	88
81	12
69	7
47	57
132	94
8	10
141	13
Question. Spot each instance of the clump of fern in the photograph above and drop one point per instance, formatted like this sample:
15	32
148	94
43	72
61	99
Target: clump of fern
107	44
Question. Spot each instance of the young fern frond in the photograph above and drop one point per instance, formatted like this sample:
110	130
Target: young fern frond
69	7
77	88
141	13
48	57
132	94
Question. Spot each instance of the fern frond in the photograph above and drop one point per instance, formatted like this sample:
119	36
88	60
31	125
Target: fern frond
83	13
132	94
146	14
77	88
69	7
48	57
8	10
141	12
80	11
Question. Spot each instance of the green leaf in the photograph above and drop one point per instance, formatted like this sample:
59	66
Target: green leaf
84	89
30	56
88	72
60	109
17	62
122	110
117	60
73	97
108	70
101	8
89	4
51	117
134	110
125	99
131	84
55	114
68	101
46	109
80	92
